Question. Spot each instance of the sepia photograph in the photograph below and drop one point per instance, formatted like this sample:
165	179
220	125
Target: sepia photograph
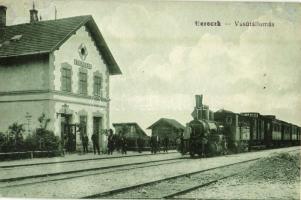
149	99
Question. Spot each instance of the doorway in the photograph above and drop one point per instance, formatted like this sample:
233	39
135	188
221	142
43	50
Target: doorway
97	126
68	133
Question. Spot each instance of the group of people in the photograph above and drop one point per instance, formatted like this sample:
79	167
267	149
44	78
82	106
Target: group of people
115	141
155	144
119	143
95	142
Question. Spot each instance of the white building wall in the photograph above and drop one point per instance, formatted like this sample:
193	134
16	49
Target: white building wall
15	111
69	51
23	88
77	102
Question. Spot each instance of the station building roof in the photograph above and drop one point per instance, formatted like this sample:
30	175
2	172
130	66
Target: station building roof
171	122
44	37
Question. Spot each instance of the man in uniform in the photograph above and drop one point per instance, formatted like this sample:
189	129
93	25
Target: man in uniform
95	141
110	142
85	141
123	145
140	144
153	144
165	144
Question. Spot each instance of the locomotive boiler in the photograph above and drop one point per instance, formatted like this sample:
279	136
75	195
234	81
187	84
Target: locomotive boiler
203	137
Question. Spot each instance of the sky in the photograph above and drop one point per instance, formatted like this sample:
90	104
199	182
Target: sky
166	59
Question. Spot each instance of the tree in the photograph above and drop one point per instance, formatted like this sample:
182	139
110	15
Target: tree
3	140
43	138
43	121
15	131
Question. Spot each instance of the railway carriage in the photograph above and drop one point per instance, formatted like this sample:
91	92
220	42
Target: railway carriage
273	131
257	129
299	136
285	134
294	136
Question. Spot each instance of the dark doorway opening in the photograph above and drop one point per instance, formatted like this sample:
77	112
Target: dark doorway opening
97	126
68	133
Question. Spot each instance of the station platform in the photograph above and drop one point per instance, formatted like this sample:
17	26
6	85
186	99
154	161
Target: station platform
73	157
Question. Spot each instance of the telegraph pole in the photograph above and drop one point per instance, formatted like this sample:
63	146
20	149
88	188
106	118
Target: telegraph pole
28	118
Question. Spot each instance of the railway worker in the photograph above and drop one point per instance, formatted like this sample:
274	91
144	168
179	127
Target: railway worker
153	144
165	144
110	142
158	146
204	143
95	141
123	145
224	146
140	144
118	142
85	141
182	144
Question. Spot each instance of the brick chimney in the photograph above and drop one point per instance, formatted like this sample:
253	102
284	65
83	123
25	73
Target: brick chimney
33	14
2	16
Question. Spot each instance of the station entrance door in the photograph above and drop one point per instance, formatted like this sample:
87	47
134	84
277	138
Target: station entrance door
68	133
97	126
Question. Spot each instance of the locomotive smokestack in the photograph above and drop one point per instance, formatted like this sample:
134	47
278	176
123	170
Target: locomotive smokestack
198	101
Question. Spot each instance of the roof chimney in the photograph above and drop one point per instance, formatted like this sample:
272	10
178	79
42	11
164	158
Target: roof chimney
2	16
33	14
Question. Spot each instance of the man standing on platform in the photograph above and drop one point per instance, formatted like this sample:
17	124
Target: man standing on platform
165	144
95	140
85	141
110	142
123	145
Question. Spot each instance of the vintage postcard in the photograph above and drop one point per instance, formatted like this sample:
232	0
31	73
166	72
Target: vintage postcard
154	99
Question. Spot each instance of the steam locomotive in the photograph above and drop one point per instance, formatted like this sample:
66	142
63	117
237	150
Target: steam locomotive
224	132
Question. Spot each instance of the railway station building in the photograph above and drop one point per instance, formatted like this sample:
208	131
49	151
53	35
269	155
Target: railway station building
58	67
170	128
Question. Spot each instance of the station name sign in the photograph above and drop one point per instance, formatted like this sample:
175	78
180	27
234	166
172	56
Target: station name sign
82	64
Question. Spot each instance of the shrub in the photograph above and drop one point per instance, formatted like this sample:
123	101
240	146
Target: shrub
15	138
42	140
3	139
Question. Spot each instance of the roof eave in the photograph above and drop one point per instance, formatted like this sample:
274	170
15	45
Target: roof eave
100	42
25	54
109	59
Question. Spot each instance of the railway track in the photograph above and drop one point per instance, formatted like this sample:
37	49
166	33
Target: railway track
187	190
115	193
162	188
44	178
79	160
66	168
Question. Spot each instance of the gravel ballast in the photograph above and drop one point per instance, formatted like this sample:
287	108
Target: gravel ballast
274	177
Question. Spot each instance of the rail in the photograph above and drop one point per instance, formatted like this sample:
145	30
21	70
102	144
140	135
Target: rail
120	190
